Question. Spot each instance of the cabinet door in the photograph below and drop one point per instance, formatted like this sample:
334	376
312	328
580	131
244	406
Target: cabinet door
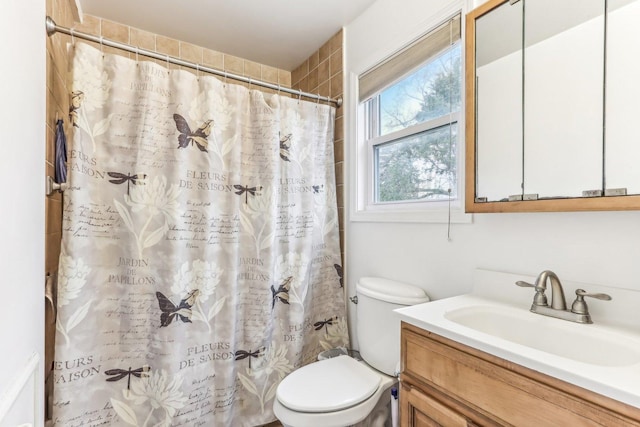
420	410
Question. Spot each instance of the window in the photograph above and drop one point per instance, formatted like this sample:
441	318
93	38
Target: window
409	114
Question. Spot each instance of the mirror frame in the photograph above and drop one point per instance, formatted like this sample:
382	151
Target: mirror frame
603	203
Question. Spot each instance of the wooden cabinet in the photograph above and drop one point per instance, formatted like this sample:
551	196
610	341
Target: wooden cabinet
445	383
421	410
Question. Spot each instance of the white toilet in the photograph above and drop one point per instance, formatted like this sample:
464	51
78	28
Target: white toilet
343	391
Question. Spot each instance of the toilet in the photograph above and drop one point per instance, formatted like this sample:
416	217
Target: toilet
342	391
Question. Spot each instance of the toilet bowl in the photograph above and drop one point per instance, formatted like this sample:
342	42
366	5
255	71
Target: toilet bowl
335	392
342	391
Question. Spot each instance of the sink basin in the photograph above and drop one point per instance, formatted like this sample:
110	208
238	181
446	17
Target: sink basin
590	344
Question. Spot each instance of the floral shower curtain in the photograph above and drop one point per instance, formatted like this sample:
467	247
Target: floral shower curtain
200	260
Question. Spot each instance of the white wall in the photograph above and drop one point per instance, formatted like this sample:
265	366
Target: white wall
591	247
22	169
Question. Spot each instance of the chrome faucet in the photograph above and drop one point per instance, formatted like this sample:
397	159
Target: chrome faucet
579	311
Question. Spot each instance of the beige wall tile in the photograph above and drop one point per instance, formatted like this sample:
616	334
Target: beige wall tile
60	93
303	85
52	108
142	39
49	8
252	69
52	248
53	216
314	60
61	12
339	129
49	71
90	24
191	52
58	52
339	195
335	42
167	46
233	64
284	78
270	74
339	173
312	79
338	150
324	89
323	71
336	62
50	141
115	31
300	72
336	85
325	51
212	58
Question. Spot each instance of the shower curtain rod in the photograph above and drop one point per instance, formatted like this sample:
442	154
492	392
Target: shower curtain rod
53	28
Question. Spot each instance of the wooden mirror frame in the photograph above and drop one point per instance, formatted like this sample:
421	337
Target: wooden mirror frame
603	203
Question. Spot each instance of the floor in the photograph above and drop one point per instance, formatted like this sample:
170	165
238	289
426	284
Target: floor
273	424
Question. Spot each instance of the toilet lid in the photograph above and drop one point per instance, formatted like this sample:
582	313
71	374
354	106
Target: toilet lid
328	385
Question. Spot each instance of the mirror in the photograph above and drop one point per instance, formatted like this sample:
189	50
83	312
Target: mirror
622	149
552	99
499	101
563	109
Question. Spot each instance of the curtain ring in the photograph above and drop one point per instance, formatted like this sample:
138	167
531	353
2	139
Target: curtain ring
278	89
73	39
168	70
225	80
137	55
101	46
249	82
299	95
197	71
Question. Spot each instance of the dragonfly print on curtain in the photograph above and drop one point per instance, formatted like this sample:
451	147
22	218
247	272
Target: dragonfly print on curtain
198	263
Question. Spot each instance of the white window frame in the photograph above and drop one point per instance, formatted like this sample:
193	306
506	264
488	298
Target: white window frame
416	129
364	208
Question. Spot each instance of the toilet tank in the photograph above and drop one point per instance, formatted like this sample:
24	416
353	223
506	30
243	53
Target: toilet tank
377	325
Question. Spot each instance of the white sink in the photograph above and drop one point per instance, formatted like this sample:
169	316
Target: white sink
579	342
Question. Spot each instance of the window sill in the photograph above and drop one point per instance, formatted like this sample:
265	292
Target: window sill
433	216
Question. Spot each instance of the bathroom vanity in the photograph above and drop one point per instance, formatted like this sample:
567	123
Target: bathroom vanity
447	383
483	359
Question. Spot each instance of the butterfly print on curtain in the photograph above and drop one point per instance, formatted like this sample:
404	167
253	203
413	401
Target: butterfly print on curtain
171	312
338	268
282	293
285	146
198	137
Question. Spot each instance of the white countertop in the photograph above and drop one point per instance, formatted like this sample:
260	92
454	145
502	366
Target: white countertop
618	382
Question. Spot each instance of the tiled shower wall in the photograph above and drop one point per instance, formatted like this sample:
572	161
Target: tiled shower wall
57	107
322	73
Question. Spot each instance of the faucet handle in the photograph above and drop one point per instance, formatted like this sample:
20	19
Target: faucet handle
540	298
580	306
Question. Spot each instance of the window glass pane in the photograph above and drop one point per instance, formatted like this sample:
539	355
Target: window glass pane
430	92
417	167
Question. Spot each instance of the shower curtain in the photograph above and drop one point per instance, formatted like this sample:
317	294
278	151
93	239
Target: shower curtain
200	260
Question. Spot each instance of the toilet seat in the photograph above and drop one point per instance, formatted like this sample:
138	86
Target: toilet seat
328	385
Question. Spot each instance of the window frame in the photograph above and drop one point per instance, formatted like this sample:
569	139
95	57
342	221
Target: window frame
391	137
365	208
